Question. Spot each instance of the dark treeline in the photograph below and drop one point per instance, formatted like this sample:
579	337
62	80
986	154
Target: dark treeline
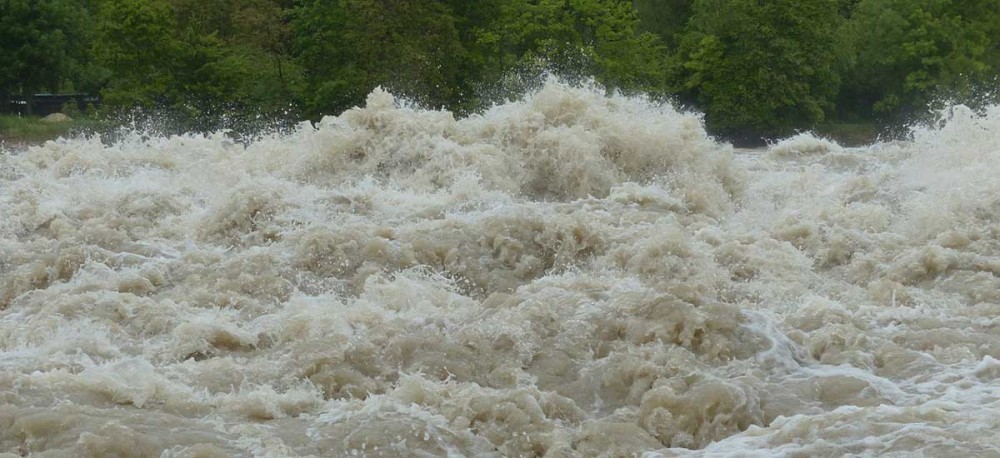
756	68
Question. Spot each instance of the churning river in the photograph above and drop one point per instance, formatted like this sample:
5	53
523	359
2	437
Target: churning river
565	275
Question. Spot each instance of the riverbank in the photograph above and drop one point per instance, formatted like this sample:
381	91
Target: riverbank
19	132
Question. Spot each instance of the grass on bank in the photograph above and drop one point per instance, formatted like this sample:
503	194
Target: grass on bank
31	130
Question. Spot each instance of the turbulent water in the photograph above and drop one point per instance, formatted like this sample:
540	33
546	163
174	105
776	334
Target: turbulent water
565	275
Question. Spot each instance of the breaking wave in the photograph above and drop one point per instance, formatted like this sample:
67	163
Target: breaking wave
570	274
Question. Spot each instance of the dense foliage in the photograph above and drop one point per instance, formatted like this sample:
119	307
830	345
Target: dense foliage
42	44
756	68
760	67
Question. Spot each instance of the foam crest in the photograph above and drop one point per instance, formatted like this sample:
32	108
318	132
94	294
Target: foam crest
559	143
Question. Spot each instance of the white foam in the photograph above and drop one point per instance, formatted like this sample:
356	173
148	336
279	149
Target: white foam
570	273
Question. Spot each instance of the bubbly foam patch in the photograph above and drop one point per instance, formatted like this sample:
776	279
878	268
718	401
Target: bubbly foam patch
570	274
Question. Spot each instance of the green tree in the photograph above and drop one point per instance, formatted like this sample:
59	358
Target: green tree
252	66
760	68
599	38
626	58
204	63
477	69
43	45
908	52
348	47
665	18
136	42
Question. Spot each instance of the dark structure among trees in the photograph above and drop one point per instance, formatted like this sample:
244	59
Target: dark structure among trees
46	104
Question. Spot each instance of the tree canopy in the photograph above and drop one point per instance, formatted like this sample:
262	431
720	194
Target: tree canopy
755	68
348	47
42	45
760	68
906	50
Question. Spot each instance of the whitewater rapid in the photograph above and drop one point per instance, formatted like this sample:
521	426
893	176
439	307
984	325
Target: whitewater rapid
570	274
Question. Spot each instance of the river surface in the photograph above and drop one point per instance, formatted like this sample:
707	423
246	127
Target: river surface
568	274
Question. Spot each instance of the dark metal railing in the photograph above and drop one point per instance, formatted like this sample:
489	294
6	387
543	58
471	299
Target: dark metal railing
46	104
